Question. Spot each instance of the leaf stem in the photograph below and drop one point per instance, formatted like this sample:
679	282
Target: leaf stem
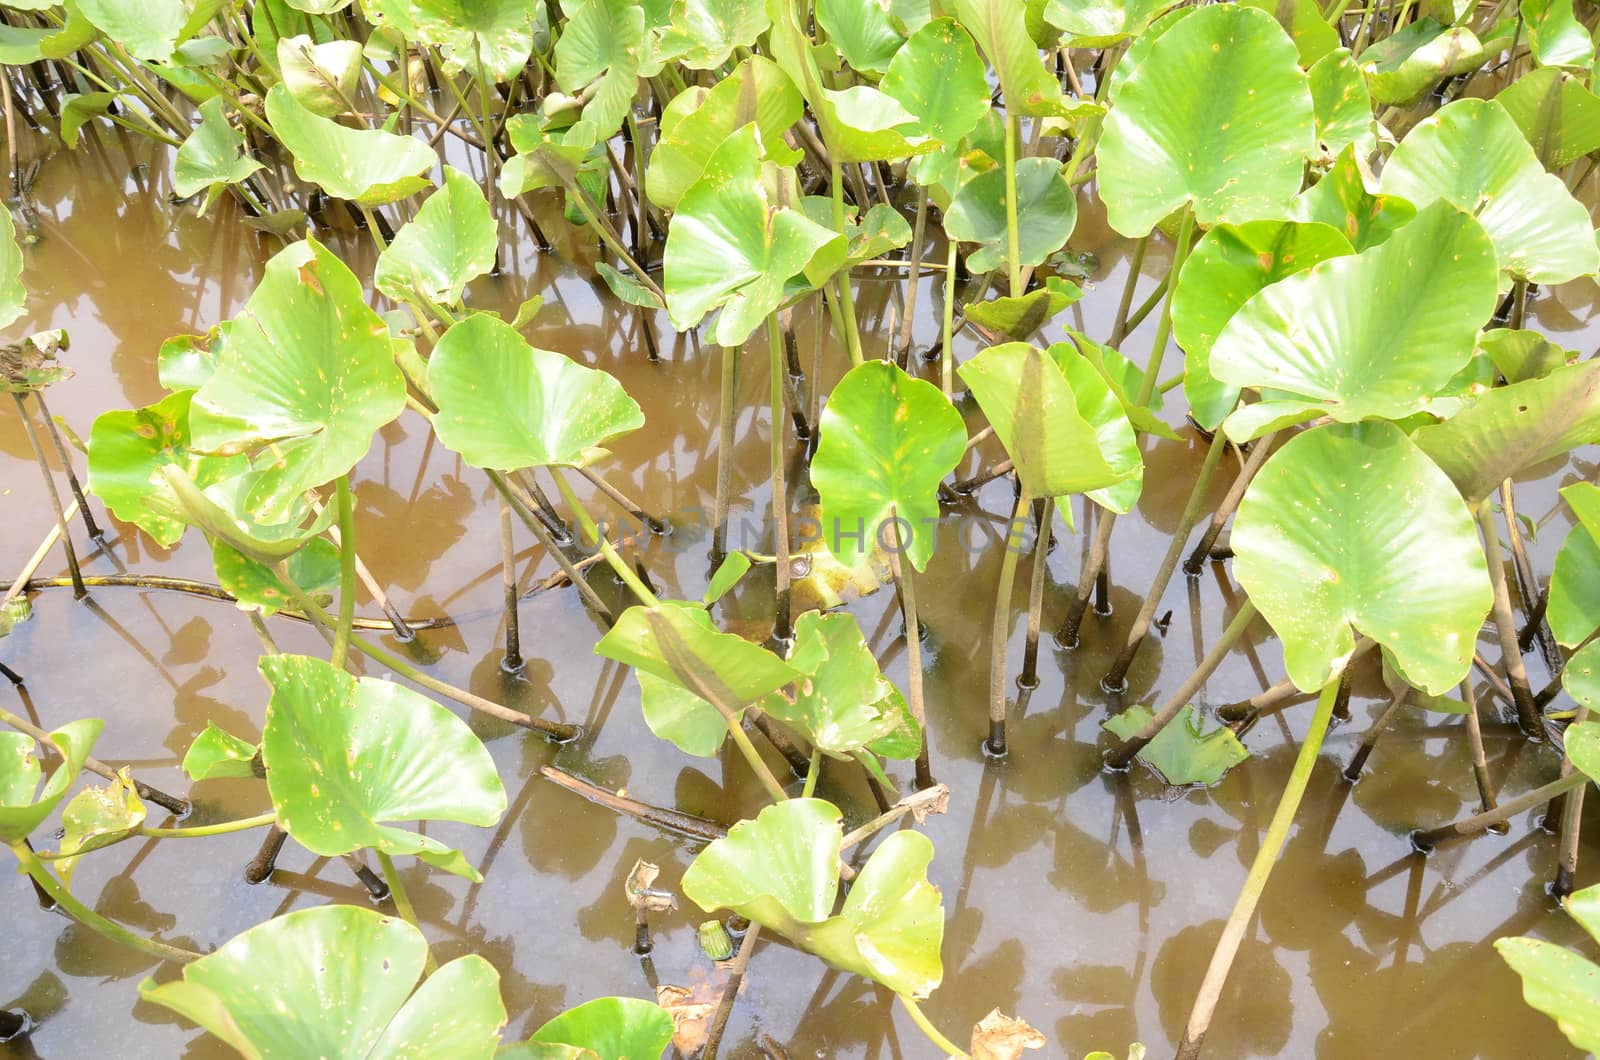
347	574
1000	630
847	301
243	824
926	1026
811	773
88	917
592	529
1013	233
780	492
402	901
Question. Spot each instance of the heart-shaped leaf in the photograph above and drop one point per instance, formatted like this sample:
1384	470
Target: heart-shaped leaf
1327	336
367	166
23	804
864	33
597	58
1350	528
1558	982
1182	752
1406	65
344	755
450	242
1558	115
622	1027
704	33
887	440
1343	200
1047	212
1218	114
1471	154
492	39
211	159
1556	35
938	77
842	704
337	981
504	404
782	871
306	376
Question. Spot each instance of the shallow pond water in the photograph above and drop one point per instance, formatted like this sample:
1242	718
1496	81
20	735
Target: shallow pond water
1087	903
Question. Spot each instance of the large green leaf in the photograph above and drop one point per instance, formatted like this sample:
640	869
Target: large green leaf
731	246
1563	985
1581	680
704	33
96	817
1305	24
1001	30
324	78
1472	155
1558	115
1034	411
149	29
314	569
697	121
307	374
211	159
597	58
344	755
1328	336
1103	407
504	404
1406	65
128	449
13	296
843	704
1047	211
1508	429
1182	752
612	1028
1342	199
938	76
886	442
863	32
1097	23
1556	35
336	981
367	166
782	871
1218	114
493	39
23	804
1350	528
1574	609
450	242
1223	272
1342	104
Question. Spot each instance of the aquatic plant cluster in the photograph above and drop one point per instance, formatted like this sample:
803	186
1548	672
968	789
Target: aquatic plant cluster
1359	199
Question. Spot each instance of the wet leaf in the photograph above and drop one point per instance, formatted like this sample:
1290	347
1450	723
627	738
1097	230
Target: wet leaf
598	56
490	39
1047	212
95	817
1184	752
1558	115
504	404
1558	982
449	243
344	755
1342	200
337	981
782	871
1471	154
938	77
887	440
218	754
314	568
1350	528
212	157
622	1027
1326	337
1556	35
1020	317
23	804
1405	66
366	166
306	376
842	704
999	1037
1229	265
727	575
1218	114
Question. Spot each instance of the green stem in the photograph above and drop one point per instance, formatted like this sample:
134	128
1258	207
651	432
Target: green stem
243	824
947	355
1266	857
811	773
1013	238
1000	631
847	300
580	199
592	529
1158	350
780	492
347	574
402	901
88	917
926	1026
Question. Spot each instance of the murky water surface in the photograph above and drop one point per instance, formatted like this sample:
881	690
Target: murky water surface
1087	903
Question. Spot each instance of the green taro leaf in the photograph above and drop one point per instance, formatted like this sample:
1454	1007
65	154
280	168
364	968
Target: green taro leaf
504	404
307	374
704	33
1217	114
782	871
1034	411
1406	65
1097	23
1504	431
1523	354
344	755
492	39
1229	266
128	449
23	804
95	817
623	1028
598	55
887	440
366	166
211	159
697	121
1020	317
1563	985
1555	34
1574	609
336	981
1471	154
1328	336
863	32
1047	212
218	754
731	246
1183	753
938	77
1350	528
1341	199
13	296
449	243
1305	24
1001	30
1342	105
148	29
843	704
1104	408
314	568
1581	679
1557	114
324	78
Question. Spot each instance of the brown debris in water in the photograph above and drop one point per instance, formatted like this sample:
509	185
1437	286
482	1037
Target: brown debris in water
999	1037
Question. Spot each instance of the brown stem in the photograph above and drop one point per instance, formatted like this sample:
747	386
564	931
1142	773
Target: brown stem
66	465
260	866
512	662
1480	762
1369	741
1505	625
655	816
1219	519
1426	840
719	1022
78	589
171	803
1000	630
1029	678
1571	819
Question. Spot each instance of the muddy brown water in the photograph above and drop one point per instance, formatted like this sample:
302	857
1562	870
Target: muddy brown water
1084	902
